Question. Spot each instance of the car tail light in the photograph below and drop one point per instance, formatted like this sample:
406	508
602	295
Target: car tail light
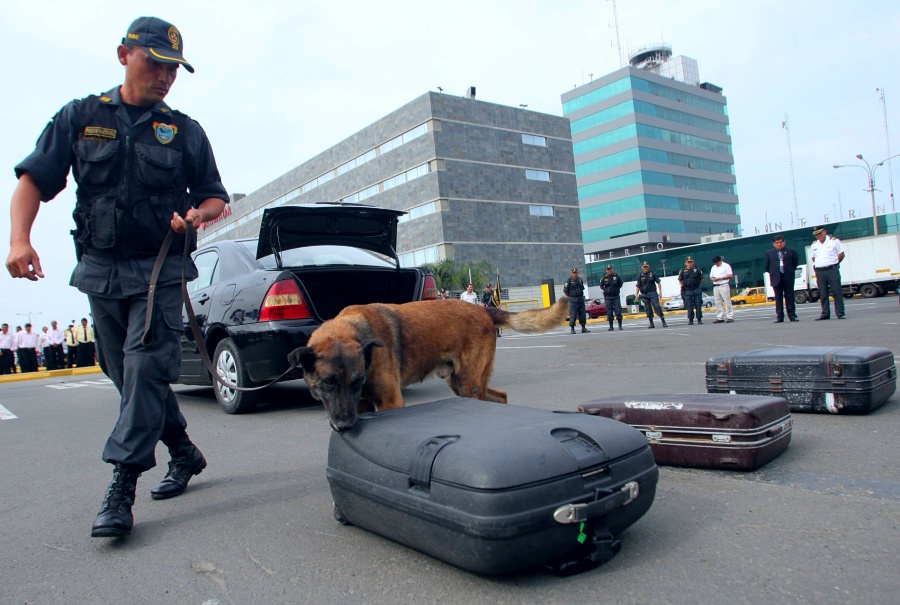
284	301
429	291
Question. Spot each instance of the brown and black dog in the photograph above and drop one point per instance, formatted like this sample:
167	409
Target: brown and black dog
360	360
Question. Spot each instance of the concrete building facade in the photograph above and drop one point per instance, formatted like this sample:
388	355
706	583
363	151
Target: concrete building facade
479	181
653	156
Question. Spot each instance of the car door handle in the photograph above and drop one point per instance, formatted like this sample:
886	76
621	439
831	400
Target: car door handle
202	300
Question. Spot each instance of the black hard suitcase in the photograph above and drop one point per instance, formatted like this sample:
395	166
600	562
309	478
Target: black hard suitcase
837	380
731	432
493	488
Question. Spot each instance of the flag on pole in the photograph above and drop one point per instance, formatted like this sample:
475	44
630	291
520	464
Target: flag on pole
497	290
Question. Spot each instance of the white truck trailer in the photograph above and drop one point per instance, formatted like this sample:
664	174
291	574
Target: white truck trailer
871	267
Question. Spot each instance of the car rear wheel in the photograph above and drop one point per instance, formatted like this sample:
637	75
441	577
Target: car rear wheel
708	305
801	297
229	365
869	290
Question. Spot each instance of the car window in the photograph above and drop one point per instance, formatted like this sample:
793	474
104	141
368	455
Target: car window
322	256
208	268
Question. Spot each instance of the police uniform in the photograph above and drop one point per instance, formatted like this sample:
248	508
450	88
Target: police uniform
646	285
574	289
690	279
826	258
611	284
134	167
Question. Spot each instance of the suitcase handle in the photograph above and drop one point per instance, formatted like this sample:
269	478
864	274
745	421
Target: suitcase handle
423	460
577	513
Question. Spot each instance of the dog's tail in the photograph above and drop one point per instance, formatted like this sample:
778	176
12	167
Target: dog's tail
532	321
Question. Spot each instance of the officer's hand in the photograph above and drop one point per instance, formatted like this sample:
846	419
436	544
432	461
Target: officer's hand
23	261
179	225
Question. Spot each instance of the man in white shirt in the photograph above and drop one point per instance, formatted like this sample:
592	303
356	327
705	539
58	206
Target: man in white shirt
44	344
469	296
7	348
826	254
28	345
57	337
721	275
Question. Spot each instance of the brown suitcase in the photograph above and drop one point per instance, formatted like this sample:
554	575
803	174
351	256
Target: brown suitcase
731	432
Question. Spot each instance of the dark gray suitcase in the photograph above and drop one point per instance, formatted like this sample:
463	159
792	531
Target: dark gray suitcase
837	380
493	488
730	432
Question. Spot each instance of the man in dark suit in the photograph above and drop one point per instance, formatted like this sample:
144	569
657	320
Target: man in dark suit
780	264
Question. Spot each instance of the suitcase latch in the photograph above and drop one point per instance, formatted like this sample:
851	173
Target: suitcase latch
776	384
577	513
717	438
653	436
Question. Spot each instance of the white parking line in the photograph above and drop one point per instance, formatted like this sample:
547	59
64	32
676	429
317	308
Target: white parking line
6	414
103	383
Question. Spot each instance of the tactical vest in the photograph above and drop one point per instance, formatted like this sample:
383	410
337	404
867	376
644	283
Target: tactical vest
647	282
611	285
690	278
129	185
575	287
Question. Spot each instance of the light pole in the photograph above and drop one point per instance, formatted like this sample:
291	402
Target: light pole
870	172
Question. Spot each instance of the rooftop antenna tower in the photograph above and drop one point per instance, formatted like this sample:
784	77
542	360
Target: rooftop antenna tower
618	41
787	130
887	140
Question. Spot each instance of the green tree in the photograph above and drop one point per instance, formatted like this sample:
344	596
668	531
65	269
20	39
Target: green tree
451	276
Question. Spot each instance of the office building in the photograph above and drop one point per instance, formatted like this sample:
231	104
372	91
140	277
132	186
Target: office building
653	156
479	181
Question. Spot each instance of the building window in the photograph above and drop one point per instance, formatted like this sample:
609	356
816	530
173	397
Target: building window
537	175
419	211
417	258
540	210
533	139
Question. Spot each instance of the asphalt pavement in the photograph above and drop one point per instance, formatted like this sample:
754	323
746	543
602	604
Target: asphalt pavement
817	525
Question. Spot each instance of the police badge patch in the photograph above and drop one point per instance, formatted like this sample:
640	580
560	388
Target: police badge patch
164	132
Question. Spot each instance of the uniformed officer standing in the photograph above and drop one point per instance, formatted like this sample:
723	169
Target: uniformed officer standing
827	254
649	288
611	284
142	170
574	289
690	279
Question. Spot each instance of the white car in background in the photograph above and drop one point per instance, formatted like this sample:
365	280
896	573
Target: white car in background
675	303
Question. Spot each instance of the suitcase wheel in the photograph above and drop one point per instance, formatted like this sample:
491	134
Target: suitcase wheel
339	516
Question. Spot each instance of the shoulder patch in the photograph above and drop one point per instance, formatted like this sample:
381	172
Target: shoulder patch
105	99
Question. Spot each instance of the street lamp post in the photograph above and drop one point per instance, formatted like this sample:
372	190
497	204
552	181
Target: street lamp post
870	172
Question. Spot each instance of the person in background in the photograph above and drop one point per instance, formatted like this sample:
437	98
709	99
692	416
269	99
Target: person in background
28	344
649	287
690	279
7	350
57	340
487	300
611	284
469	295
780	263
826	254
721	275
574	289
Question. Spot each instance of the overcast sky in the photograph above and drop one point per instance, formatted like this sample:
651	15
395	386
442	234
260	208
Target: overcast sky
278	82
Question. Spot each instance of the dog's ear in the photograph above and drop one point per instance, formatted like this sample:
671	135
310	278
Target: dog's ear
367	347
304	357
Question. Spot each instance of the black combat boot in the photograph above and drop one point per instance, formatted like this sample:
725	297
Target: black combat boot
651	326
115	519
573	329
620	324
611	329
584	329
186	462
663	320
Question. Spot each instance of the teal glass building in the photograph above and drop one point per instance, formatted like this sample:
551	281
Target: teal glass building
653	156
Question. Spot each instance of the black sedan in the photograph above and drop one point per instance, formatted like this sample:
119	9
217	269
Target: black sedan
256	300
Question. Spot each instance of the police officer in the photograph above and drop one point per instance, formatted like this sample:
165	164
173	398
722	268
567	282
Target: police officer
611	284
574	289
690	279
649	288
142	170
827	253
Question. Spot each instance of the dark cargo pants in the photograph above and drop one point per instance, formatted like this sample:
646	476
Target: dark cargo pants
148	409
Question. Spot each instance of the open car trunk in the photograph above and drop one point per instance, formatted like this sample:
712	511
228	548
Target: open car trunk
328	291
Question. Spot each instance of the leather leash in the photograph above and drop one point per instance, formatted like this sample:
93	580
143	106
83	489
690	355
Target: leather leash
147	337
